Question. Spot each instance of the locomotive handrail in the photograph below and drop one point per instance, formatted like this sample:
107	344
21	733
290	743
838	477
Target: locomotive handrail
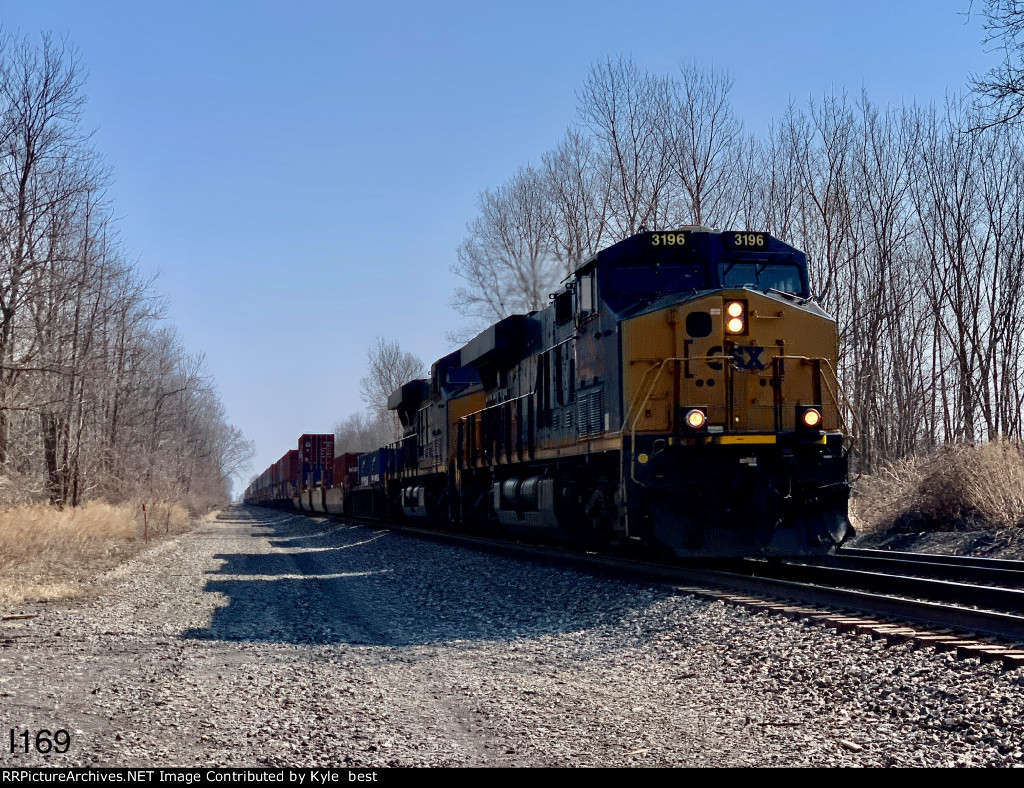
636	415
630	430
396	446
659	367
654	366
465	418
496	405
846	401
835	394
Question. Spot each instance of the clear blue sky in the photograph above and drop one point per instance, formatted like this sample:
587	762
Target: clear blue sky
301	173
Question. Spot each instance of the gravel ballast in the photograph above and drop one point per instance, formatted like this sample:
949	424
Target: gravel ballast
270	639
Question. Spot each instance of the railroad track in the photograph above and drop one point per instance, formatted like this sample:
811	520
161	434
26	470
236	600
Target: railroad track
982	588
958	602
990	625
895	588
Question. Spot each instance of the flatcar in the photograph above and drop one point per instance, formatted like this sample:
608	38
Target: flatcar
679	393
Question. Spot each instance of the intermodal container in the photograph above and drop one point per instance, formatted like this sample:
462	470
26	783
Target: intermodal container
316	460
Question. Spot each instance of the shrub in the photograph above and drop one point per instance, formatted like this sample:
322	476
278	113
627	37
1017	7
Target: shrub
50	553
956	487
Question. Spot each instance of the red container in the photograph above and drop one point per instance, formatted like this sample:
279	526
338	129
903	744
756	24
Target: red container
346	470
316	461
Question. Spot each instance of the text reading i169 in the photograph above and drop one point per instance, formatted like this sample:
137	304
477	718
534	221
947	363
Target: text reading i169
42	741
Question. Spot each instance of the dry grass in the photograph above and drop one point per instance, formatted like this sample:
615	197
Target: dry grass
958	487
46	553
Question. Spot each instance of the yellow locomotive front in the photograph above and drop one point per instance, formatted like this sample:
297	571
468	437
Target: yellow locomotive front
732	441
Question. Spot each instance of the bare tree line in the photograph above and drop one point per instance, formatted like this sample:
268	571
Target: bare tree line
911	218
98	398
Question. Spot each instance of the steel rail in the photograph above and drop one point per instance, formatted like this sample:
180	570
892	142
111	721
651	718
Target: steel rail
1010	600
1004	575
934	558
1005	626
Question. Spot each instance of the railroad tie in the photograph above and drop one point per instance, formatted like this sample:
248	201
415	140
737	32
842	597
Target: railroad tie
894	634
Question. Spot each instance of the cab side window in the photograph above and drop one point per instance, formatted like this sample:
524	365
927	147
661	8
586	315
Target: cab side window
586	296
563	307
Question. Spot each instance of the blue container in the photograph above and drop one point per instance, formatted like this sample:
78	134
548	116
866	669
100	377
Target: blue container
373	466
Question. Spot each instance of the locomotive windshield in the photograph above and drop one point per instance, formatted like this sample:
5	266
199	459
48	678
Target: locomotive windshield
626	285
777	276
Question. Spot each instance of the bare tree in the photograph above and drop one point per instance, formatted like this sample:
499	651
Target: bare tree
361	432
625	110
878	291
774	193
388	368
97	396
508	262
1000	91
577	184
40	104
706	143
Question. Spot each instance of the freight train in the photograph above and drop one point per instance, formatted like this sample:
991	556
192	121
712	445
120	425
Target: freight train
679	393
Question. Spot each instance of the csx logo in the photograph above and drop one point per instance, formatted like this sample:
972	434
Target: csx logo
745	357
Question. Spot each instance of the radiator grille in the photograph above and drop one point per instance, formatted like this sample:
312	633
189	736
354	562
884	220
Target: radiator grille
590	413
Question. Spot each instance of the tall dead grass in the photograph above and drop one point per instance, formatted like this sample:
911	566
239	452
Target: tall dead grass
957	487
46	553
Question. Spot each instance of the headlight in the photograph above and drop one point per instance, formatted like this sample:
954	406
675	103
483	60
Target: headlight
736	317
808	417
696	418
